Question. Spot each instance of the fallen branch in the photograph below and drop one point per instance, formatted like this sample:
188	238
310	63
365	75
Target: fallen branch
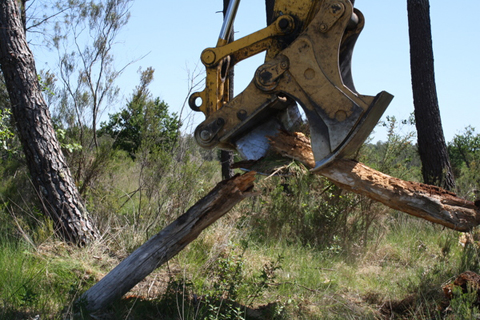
424	201
428	202
170	241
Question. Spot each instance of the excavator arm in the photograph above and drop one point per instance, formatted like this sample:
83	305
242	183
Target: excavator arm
309	47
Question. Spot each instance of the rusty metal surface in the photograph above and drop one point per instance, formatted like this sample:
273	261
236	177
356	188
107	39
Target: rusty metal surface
309	47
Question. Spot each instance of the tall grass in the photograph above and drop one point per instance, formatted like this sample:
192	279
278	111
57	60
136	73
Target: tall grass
36	284
300	249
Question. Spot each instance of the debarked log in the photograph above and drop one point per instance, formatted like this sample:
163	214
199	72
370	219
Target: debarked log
170	241
424	201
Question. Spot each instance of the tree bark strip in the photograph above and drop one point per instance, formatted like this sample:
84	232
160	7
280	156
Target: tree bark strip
170	241
424	201
48	168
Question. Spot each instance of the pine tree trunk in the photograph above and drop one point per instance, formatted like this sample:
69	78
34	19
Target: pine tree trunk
48	168
436	167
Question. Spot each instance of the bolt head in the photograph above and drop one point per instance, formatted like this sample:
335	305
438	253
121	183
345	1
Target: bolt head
205	135
283	23
208	56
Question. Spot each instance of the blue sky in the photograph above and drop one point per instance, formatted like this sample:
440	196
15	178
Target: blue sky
172	35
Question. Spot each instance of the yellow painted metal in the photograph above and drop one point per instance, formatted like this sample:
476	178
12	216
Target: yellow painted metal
219	59
288	14
304	47
291	16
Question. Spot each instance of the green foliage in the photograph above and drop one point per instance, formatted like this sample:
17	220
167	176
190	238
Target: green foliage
227	278
46	81
224	291
10	146
9	142
398	155
70	147
141	122
464	153
144	194
464	305
309	210
6	133
34	284
464	148
144	122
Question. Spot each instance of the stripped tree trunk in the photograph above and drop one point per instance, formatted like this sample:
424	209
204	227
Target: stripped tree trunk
48	168
424	201
170	241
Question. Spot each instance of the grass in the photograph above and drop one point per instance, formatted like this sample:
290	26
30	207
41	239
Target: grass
300	249
413	260
408	257
38	280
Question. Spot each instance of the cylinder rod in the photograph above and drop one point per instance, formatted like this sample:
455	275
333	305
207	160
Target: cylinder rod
228	20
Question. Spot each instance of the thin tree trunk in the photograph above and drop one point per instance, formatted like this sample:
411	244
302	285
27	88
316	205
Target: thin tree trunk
48	168
436	167
226	159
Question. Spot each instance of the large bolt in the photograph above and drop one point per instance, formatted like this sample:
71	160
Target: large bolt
309	74
242	114
283	23
265	77
205	135
208	56
341	116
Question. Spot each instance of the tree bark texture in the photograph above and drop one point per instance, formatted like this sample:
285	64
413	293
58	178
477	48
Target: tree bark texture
424	201
170	241
48	168
436	169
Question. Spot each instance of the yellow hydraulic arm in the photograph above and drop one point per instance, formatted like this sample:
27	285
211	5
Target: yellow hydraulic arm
308	48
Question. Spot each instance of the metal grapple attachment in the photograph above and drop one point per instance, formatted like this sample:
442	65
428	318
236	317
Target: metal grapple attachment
308	47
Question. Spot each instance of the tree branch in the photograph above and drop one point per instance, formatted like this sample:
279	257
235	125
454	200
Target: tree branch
424	201
170	241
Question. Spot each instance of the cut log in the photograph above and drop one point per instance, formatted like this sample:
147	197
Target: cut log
170	241
424	201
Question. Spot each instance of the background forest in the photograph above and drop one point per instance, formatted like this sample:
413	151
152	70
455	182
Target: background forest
301	248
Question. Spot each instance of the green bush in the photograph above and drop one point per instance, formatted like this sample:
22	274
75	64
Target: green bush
144	122
464	152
